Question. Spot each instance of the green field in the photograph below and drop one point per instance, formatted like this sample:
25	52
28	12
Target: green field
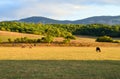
44	62
51	69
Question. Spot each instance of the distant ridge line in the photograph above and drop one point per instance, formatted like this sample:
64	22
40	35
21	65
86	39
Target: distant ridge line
90	20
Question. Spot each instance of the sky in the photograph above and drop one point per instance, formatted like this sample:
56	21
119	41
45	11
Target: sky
58	9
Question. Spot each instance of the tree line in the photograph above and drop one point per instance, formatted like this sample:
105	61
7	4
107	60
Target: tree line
91	29
62	30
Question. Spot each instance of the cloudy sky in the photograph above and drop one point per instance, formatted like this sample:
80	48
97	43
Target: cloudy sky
58	9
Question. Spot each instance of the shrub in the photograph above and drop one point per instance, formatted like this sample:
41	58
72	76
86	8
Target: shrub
66	41
21	40
104	39
47	39
17	40
24	40
70	37
9	40
0	41
115	41
38	40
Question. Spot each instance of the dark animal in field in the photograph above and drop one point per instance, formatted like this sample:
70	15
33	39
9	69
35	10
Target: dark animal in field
98	49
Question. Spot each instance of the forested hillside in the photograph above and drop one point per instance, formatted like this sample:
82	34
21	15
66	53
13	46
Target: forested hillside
62	30
111	20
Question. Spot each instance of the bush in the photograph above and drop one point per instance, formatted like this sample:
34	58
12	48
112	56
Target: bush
70	37
9	40
47	39
66	41
17	40
115	41
104	39
0	41
38	40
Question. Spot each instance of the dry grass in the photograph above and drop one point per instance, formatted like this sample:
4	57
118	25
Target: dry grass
90	42
15	34
4	35
59	53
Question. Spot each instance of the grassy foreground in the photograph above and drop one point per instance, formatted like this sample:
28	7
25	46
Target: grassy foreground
59	53
59	63
51	69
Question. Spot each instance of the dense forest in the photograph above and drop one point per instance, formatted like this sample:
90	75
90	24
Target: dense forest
62	30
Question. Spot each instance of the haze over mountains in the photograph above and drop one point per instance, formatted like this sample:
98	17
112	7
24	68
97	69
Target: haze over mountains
90	20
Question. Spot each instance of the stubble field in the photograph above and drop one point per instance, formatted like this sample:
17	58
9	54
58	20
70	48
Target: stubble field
59	53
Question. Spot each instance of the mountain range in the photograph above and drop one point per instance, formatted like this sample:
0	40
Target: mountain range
96	19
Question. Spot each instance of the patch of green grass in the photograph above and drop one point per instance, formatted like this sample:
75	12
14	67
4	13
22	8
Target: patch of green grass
51	69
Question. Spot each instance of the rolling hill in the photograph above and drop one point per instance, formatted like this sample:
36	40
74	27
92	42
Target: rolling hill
45	20
96	19
88	41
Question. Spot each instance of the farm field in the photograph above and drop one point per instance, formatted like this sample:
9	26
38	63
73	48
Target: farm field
62	69
59	53
50	62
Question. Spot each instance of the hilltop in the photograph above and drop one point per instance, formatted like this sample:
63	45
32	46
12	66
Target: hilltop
90	20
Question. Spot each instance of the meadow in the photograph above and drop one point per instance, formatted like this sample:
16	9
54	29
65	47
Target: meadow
50	62
59	69
59	53
59	63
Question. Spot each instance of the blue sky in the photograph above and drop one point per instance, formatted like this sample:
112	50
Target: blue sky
58	9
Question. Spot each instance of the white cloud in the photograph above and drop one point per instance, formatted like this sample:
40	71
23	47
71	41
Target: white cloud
57	9
49	10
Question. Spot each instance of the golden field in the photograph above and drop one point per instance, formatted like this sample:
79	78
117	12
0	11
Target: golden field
59	53
4	35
